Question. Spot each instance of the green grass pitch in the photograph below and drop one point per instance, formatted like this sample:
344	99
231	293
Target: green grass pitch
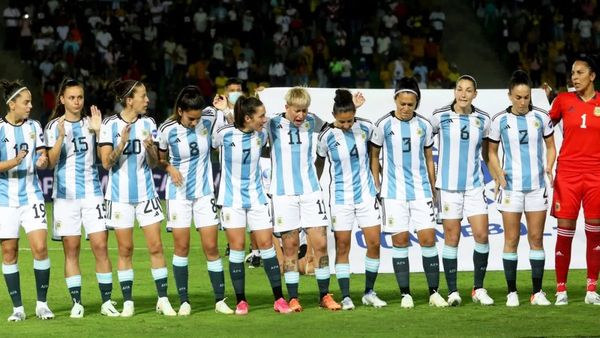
576	319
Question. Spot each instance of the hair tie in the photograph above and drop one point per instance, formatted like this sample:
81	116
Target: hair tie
15	94
405	91
130	89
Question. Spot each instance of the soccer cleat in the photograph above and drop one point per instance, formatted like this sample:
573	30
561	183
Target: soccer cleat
454	299
281	306
591	297
108	309
481	296
242	308
371	298
512	299
539	298
42	311
163	307
17	315
347	304
327	302
222	307
128	309
407	301
77	311
437	300
561	298
254	262
295	305
185	309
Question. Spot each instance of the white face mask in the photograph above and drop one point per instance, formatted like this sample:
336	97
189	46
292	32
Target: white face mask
233	96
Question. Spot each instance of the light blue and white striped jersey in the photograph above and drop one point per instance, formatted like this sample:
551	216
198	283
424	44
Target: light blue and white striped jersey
293	153
349	163
459	152
241	175
20	185
522	138
404	170
75	173
189	152
130	179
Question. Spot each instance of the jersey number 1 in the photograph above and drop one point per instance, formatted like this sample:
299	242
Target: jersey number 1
583	118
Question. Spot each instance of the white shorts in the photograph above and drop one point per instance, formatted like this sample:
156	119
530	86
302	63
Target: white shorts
459	204
293	212
31	217
366	214
401	216
69	215
123	215
202	210
519	201
256	218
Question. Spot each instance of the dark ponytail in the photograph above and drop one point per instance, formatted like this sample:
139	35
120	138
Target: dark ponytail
124	89
518	78
408	85
343	102
11	88
59	109
189	98
244	106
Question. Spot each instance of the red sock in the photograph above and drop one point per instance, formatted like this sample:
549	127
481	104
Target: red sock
562	256
592	254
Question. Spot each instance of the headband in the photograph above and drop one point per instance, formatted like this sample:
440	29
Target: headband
15	94
130	89
405	91
468	77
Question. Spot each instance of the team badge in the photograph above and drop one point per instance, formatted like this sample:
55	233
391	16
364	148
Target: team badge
32	135
446	207
536	124
203	131
390	221
145	133
477	123
506	200
333	220
597	111
58	225
364	135
419	131
117	215
557	206
227	217
306	125
258	142
173	217
279	220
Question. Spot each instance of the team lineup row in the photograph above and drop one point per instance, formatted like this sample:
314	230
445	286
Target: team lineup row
381	176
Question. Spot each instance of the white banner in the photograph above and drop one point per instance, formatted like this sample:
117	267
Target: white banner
380	102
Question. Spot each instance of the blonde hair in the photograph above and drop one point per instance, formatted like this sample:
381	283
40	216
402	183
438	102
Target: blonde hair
297	96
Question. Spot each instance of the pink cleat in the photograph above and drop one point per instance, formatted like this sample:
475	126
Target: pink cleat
281	306
241	308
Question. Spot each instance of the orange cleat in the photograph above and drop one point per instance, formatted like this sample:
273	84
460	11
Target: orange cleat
328	303
295	305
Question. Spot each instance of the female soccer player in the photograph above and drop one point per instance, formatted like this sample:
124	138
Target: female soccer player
462	130
128	152
408	174
345	143
576	180
296	194
525	131
184	150
21	200
243	199
71	138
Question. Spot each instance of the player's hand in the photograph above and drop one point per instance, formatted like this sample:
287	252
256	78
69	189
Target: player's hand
148	142
175	176
21	155
547	89
550	177
95	120
125	134
42	161
61	126
358	99
220	102
500	183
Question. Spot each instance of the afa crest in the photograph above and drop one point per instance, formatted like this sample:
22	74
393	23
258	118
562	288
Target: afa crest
536	124
446	207
557	206
419	131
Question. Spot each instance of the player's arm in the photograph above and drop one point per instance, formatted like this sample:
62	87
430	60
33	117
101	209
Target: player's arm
430	167
494	167
550	158
374	151
13	162
485	145
54	151
151	152
42	158
163	163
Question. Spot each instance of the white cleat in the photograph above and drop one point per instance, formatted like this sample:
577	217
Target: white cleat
347	304
222	307
128	309
77	311
540	299
108	309
512	299
185	309
17	315
437	300
407	301
481	296
163	306
561	298
42	311
454	299
372	300
591	297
